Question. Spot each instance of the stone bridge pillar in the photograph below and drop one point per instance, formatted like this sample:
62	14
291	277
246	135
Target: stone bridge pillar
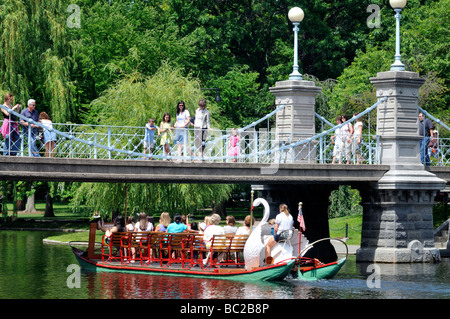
398	219
297	120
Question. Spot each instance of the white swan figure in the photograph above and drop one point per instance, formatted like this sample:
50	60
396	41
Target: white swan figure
255	244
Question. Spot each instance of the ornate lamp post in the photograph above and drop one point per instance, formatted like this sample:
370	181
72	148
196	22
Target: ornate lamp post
296	16
397	5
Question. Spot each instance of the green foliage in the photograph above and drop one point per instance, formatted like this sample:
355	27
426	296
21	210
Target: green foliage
136	98
424	48
344	201
150	198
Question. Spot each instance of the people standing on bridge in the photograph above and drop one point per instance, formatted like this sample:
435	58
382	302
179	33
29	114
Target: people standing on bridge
149	136
31	113
10	127
181	125
357	138
426	128
233	147
165	131
347	132
49	136
433	147
337	138
201	125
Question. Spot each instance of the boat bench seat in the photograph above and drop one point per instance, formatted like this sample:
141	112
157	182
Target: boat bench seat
111	246
188	249
227	249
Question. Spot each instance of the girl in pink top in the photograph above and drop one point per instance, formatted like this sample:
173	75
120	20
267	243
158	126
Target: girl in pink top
233	150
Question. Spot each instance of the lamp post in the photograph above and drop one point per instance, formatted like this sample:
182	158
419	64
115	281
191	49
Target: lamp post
397	5
218	98
296	16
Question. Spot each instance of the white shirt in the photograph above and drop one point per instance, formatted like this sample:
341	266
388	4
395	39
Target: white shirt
230	229
202	118
212	230
182	118
285	222
149	227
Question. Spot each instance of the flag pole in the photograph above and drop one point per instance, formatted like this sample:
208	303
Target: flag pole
300	204
251	211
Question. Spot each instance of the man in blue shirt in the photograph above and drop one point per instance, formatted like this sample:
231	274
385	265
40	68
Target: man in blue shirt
33	114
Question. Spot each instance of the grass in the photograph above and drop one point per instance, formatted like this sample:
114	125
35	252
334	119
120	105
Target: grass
338	228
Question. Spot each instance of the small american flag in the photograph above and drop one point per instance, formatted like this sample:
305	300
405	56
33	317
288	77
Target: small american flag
300	219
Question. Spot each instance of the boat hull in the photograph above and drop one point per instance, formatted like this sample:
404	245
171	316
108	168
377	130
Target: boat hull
270	273
326	271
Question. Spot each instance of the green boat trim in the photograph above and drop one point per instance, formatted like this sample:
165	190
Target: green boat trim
320	271
274	272
326	271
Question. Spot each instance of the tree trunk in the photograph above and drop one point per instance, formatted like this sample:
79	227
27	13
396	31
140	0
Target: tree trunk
30	208
20	204
220	208
49	206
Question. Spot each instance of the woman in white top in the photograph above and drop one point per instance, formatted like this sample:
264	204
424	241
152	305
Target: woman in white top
283	221
357	137
143	224
231	227
245	230
347	132
181	124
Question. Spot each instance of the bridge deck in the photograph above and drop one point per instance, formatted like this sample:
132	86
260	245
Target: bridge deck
144	171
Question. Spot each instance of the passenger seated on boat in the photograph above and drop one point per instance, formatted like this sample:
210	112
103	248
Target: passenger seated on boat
193	227
143	224
245	230
119	226
130	223
283	221
231	227
213	229
164	221
177	226
210	231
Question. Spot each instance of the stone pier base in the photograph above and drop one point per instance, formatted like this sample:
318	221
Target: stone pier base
398	226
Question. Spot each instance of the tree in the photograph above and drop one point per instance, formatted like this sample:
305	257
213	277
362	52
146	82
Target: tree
36	55
344	201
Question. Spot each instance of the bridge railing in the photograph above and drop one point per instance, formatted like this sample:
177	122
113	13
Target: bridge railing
127	142
264	145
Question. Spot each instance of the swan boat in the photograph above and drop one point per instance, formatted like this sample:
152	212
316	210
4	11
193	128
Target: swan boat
182	255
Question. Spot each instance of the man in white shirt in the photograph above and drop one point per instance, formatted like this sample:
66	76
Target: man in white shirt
201	125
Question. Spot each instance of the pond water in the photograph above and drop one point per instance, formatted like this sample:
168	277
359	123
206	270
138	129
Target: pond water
30	269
